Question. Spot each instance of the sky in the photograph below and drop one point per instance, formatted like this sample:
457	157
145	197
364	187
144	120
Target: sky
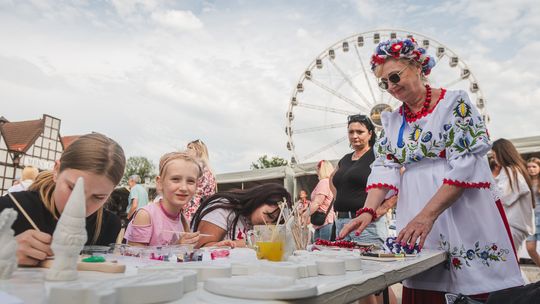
154	75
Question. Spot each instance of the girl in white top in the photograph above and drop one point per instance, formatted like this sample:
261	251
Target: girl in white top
514	185
228	215
533	166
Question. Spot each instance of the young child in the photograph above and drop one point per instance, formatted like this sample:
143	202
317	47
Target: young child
227	216
96	158
163	222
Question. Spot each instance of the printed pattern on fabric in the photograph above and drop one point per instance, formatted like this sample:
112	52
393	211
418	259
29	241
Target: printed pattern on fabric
460	256
205	188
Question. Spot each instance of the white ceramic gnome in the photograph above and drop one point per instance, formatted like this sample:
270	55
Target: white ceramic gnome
69	236
8	248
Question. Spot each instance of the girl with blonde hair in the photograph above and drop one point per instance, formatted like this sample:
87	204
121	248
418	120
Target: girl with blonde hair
207	183
321	202
162	223
94	157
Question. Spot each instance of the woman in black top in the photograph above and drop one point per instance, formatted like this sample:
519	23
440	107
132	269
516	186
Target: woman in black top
350	178
349	181
100	162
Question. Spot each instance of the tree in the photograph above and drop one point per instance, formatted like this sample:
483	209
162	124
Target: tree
139	165
264	162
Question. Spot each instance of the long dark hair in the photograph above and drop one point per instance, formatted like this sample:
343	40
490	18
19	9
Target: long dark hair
364	120
241	203
508	157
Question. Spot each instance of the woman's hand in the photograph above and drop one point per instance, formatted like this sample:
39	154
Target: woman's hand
359	224
190	238
33	247
231	243
417	229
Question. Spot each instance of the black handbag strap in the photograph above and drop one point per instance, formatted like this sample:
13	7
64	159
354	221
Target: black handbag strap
329	208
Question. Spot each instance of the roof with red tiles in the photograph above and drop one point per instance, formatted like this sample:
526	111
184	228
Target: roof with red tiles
67	140
20	135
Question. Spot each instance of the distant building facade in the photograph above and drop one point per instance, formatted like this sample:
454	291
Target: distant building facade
28	143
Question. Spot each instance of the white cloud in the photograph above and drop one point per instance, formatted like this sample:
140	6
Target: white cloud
301	33
367	9
178	20
154	76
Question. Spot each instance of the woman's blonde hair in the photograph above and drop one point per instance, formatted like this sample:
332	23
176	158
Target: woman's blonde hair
201	151
324	169
165	160
95	153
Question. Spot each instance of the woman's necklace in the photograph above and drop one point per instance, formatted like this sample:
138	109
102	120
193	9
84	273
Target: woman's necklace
171	216
424	111
358	154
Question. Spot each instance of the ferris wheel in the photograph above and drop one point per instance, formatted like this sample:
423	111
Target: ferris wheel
339	83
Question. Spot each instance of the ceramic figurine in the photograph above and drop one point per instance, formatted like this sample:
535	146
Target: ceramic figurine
8	250
69	236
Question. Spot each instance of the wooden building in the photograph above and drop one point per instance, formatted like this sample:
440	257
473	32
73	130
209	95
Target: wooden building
28	143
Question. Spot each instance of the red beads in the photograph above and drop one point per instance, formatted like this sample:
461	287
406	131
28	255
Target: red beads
367	210
425	108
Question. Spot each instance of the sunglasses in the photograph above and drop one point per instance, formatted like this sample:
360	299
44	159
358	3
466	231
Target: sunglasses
393	78
357	118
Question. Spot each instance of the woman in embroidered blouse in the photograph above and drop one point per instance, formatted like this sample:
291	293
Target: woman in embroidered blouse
445	201
533	166
321	200
207	183
228	215
514	185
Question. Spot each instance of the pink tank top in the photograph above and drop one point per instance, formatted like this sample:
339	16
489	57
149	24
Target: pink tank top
158	232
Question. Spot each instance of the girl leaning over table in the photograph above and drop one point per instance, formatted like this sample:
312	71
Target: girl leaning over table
163	222
227	216
94	157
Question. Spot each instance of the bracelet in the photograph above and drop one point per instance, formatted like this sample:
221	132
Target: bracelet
368	210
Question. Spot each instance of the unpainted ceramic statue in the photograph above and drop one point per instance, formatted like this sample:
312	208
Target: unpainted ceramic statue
69	236
8	249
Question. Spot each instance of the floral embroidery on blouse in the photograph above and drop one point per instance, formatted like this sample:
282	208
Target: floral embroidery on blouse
471	130
460	256
464	134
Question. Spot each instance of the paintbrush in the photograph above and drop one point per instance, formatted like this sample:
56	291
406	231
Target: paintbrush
183	232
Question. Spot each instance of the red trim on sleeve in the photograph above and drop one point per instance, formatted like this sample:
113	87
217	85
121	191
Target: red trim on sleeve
484	185
381	185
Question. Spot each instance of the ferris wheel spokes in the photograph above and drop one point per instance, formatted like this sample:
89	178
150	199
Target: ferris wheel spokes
349	81
368	82
324	109
319	128
324	148
340	96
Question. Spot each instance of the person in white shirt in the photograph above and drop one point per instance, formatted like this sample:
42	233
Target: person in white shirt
29	174
514	185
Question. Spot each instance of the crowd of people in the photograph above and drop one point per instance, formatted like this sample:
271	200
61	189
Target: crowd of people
429	163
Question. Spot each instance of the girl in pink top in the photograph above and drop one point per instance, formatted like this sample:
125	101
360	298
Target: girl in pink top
152	224
321	200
